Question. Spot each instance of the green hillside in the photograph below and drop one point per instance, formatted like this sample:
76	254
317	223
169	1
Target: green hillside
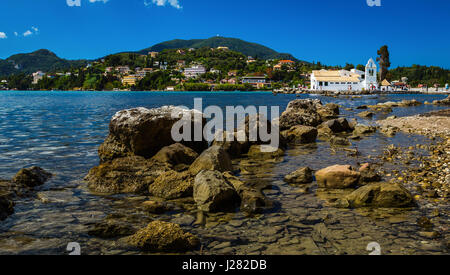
237	45
41	60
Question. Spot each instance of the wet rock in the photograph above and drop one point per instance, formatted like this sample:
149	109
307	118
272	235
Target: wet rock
445	102
366	114
172	185
155	207
337	125
301	112
339	141
176	154
6	207
337	177
111	229
300	134
161	236
361	129
381	195
57	196
214	158
389	131
143	132
303	175
125	175
256	152
213	193
231	145
409	103
31	177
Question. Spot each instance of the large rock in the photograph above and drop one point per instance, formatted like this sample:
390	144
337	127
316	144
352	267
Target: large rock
172	185
234	148
143	132
213	193
301	112
300	134
337	125
31	177
253	201
214	158
337	177
329	111
361	129
125	175
176	154
161	236
303	175
381	195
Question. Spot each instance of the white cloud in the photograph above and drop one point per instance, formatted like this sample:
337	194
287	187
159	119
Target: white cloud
93	1
35	29
16	33
3	35
27	33
163	3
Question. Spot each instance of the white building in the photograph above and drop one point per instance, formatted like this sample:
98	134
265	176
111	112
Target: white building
37	76
194	71
344	80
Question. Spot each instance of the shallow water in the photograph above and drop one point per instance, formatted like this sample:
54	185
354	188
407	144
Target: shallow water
61	131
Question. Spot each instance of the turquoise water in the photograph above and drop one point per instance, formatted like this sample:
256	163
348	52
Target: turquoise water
61	132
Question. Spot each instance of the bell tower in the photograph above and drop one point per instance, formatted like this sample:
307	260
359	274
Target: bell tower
371	75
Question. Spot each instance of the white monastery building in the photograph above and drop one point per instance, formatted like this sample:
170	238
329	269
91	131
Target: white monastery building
344	80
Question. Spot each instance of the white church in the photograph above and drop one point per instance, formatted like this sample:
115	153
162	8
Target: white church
343	80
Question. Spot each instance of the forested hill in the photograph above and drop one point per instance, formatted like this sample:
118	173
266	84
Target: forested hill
247	48
41	60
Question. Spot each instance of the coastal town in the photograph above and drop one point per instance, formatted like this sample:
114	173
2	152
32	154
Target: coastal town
218	69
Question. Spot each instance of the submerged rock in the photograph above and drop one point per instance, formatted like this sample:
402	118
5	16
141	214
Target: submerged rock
337	177
366	114
125	175
172	185
381	195
300	134
213	193
161	236
6	207
256	152
110	229
155	207
303	175
214	158
143	132
445	102
31	177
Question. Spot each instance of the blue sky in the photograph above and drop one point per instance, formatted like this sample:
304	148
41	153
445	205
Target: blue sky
330	31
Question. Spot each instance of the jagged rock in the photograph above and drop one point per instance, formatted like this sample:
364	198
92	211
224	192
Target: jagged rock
300	134
233	147
253	201
337	177
303	175
31	177
389	131
176	154
214	158
301	112
381	195
143	132
161	236
172	185
213	193
125	175
337	125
